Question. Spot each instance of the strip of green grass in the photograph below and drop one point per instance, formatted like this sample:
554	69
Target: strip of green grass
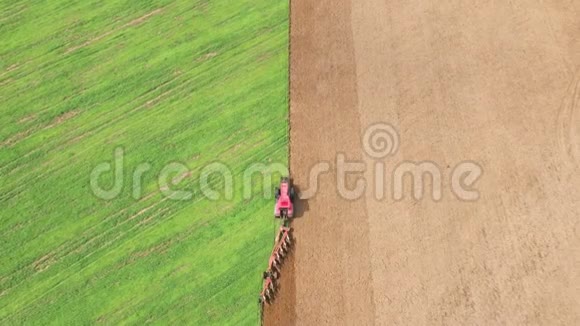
169	81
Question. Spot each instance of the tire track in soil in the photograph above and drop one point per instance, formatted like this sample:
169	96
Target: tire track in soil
567	123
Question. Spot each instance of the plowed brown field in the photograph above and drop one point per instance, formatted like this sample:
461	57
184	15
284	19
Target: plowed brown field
494	82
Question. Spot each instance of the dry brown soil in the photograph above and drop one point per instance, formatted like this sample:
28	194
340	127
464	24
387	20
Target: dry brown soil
494	82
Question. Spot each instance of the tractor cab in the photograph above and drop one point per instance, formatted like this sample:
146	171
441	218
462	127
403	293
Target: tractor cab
285	196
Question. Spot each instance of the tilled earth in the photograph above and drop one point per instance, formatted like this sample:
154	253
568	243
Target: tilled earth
495	83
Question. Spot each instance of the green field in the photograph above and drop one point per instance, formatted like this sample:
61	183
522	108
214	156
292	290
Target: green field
193	82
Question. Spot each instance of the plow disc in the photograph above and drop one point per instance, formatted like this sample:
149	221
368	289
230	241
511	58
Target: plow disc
281	250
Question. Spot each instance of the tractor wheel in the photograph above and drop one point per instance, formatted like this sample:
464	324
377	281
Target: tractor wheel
292	194
277	193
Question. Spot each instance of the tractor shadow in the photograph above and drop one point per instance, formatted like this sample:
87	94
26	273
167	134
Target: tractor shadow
300	205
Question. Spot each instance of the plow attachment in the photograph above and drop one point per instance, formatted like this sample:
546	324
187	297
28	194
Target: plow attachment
281	250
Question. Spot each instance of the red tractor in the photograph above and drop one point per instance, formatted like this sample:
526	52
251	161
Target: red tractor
285	196
284	209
